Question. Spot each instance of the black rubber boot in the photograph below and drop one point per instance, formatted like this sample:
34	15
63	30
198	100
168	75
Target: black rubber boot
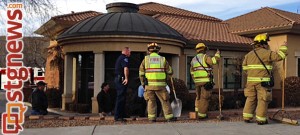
202	118
153	121
262	122
172	119
247	121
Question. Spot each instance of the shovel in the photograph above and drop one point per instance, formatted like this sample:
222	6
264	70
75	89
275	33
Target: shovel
176	104
282	115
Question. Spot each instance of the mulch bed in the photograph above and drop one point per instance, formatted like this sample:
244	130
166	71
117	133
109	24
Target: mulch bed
229	116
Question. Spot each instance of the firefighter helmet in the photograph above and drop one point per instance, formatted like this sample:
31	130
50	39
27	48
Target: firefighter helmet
200	47
153	47
262	38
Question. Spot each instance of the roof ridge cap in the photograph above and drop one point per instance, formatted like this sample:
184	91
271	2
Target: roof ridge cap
146	3
281	15
76	13
212	17
189	18
156	16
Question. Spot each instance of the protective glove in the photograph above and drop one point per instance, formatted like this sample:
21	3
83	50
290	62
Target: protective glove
283	47
218	54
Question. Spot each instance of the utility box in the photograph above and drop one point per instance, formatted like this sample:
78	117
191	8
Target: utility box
193	115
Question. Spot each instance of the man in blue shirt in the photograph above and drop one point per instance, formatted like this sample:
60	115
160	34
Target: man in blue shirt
121	82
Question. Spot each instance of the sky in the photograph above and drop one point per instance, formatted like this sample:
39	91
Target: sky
222	9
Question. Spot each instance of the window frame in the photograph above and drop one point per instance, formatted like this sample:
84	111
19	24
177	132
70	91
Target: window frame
187	72
111	68
297	66
223	71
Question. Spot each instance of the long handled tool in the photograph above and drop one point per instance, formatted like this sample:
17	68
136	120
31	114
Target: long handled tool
281	115
220	117
176	104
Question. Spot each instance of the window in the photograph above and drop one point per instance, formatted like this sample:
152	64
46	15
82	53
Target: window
232	73
40	72
189	79
298	66
110	60
135	60
0	80
85	77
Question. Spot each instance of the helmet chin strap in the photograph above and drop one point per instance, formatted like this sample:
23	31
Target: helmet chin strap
266	46
260	45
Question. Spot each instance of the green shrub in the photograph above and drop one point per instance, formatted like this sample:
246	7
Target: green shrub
54	97
182	93
292	91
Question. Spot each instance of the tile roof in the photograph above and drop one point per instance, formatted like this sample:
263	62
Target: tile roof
51	27
263	19
152	8
76	17
199	30
294	17
193	26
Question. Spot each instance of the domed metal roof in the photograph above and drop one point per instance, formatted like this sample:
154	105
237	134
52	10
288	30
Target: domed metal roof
121	23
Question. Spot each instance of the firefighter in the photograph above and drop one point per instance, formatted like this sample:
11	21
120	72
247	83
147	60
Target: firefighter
259	78
153	73
201	72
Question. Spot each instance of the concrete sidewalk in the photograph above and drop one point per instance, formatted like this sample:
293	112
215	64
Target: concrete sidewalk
213	128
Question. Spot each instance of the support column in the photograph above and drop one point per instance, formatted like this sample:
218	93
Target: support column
74	79
175	66
99	69
68	75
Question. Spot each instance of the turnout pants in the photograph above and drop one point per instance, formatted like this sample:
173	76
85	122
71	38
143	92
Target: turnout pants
258	98
164	97
202	101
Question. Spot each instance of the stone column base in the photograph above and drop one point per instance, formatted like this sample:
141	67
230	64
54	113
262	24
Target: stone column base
66	98
95	108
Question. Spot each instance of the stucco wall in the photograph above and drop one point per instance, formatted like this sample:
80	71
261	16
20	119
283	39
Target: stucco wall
182	67
294	53
291	67
275	42
293	42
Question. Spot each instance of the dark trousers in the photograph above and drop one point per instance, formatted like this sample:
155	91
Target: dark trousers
39	112
142	105
121	99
